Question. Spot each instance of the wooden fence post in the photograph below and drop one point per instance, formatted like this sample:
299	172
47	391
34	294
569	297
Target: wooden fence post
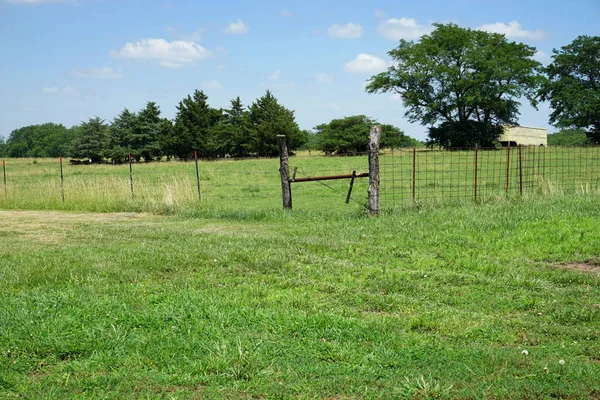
373	148
197	175
284	171
62	181
4	173
130	175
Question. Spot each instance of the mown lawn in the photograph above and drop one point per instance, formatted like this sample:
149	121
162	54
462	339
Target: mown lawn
314	303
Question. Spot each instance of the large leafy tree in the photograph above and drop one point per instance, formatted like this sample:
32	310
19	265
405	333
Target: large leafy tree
457	77
118	140
573	86
269	119
45	140
351	135
91	140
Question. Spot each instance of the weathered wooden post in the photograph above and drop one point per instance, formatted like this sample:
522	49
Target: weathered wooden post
284	171
373	148
130	175
4	173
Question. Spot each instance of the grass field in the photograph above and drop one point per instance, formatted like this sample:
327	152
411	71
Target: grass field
235	298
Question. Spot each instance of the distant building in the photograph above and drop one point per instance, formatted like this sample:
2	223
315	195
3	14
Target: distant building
523	136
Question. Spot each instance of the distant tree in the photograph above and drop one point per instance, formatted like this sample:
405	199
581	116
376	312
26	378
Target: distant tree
269	119
568	137
193	124
119	136
145	139
91	140
465	134
458	78
351	135
2	147
573	86
233	132
45	140
166	139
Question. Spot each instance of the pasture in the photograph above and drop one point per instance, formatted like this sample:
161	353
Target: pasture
165	296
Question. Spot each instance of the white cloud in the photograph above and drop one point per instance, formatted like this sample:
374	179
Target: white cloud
212	84
513	30
65	90
325	78
175	54
396	97
403	28
285	13
237	28
349	31
100	73
275	76
332	106
366	64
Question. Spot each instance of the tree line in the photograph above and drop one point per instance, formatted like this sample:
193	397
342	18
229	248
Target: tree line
465	84
197	128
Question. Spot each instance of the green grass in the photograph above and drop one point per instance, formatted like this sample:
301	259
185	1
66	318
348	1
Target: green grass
313	303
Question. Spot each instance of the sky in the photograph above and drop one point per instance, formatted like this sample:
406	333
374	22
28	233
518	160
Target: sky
65	61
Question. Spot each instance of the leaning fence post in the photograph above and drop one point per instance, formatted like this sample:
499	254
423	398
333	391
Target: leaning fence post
62	181
475	173
373	148
130	175
4	173
284	171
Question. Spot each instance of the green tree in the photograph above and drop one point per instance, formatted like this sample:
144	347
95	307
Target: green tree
457	77
118	141
233	133
573	86
45	140
145	139
91	140
2	147
568	137
351	135
193	124
269	119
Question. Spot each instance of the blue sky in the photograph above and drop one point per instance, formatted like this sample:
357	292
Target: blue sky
66	60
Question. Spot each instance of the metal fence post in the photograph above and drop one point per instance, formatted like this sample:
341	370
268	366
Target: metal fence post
373	147
62	181
197	175
284	171
130	175
507	167
4	173
475	184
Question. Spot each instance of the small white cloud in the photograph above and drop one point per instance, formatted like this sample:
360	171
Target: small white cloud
275	76
212	84
325	78
366	64
237	28
348	31
285	13
100	73
332	106
513	30
403	28
396	97
65	90
541	56
175	54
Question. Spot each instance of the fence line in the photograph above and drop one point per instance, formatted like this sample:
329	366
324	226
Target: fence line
408	177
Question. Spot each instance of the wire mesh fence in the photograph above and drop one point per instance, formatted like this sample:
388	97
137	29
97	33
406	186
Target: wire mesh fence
416	176
407	177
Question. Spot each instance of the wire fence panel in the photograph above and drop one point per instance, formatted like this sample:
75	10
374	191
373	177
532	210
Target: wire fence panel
416	176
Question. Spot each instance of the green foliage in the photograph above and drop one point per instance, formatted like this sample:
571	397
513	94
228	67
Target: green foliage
231	135
573	86
120	132
91	139
269	119
45	140
194	122
456	75
465	134
568	137
351	135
